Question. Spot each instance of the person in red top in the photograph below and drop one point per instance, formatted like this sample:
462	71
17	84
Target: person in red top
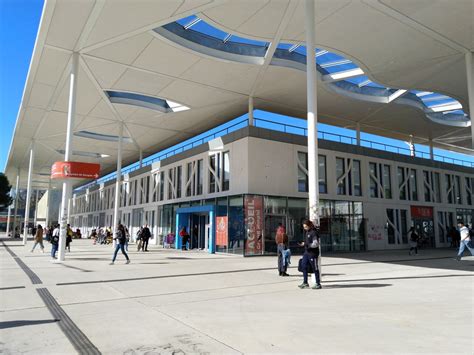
281	240
185	237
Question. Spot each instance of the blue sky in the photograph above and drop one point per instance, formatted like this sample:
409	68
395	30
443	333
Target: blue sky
19	20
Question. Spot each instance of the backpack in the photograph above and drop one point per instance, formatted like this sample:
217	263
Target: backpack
414	236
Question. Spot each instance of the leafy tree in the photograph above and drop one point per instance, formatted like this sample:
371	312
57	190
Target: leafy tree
5	187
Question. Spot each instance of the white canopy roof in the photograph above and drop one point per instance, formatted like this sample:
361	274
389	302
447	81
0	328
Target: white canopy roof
167	79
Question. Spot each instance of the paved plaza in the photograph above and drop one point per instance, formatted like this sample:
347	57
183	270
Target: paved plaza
173	302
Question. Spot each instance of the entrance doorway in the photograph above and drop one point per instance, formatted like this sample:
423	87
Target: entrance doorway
199	222
272	222
422	221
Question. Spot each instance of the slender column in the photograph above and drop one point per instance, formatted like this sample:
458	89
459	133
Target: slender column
251	123
28	193
412	146
36	208
141	159
118	182
8	220
358	133
431	150
312	112
67	185
17	192
48	203
470	90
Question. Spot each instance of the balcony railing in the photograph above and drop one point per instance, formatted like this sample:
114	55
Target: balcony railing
282	127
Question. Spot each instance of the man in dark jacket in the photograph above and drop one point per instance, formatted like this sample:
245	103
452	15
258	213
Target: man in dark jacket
310	256
146	235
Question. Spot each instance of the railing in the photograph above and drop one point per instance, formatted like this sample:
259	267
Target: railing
286	128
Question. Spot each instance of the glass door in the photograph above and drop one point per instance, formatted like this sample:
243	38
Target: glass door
272	222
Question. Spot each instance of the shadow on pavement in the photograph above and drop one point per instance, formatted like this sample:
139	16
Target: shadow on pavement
357	286
22	323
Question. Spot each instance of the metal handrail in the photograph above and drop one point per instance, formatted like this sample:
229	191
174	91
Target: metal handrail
286	128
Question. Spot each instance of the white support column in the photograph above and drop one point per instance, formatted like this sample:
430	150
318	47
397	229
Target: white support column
312	117
67	185
470	90
17	191
8	220
28	193
251	123
36	208
358	133
141	159
118	182
431	150
48	204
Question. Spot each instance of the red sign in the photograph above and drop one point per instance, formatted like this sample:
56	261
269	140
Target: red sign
421	212
74	170
253	224
221	231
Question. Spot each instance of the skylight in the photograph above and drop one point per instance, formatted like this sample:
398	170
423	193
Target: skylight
85	154
102	137
151	102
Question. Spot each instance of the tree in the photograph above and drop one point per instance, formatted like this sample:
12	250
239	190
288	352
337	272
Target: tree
5	187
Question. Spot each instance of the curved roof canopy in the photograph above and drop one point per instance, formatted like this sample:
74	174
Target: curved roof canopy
172	69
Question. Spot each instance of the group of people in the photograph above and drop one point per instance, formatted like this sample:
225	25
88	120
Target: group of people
309	262
52	234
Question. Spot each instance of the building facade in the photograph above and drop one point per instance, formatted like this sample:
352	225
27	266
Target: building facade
233	192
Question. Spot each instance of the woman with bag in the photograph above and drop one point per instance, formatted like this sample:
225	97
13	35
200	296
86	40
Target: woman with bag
310	256
121	239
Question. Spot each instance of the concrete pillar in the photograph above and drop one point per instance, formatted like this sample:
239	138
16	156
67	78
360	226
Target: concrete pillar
28	193
15	209
8	220
312	118
48	196
431	150
141	159
251	123
67	185
358	133
470	90
118	182
36	208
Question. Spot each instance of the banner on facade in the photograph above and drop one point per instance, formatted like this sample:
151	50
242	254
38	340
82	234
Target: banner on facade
253	206
221	231
421	212
74	170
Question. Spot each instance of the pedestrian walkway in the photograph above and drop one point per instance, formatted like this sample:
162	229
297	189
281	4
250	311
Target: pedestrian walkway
186	302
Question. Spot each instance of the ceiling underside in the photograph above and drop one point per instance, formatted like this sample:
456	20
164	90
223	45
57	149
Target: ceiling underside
401	44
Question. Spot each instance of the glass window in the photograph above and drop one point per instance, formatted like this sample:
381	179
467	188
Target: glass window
340	171
189	173
373	180
390	225
226	172
322	174
401	181
426	185
413	185
437	187
178	181
303	185
357	177
236	225
404	225
468	191
212	179
275	205
449	188
387	185
457	181
199	177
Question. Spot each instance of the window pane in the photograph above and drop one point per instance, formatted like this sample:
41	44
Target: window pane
356	177
413	185
401	179
386	181
373	180
322	174
340	170
226	175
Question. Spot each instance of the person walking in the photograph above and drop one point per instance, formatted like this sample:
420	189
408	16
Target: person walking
38	239
311	254
121	239
281	240
465	241
54	242
69	234
139	239
146	235
414	237
185	237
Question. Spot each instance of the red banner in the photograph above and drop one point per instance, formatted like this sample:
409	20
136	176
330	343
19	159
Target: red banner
221	231
253	206
421	212
74	170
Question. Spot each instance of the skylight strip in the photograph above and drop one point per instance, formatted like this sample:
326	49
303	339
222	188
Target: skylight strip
365	83
321	52
446	107
424	93
343	75
437	98
396	95
192	23
227	38
336	63
294	47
